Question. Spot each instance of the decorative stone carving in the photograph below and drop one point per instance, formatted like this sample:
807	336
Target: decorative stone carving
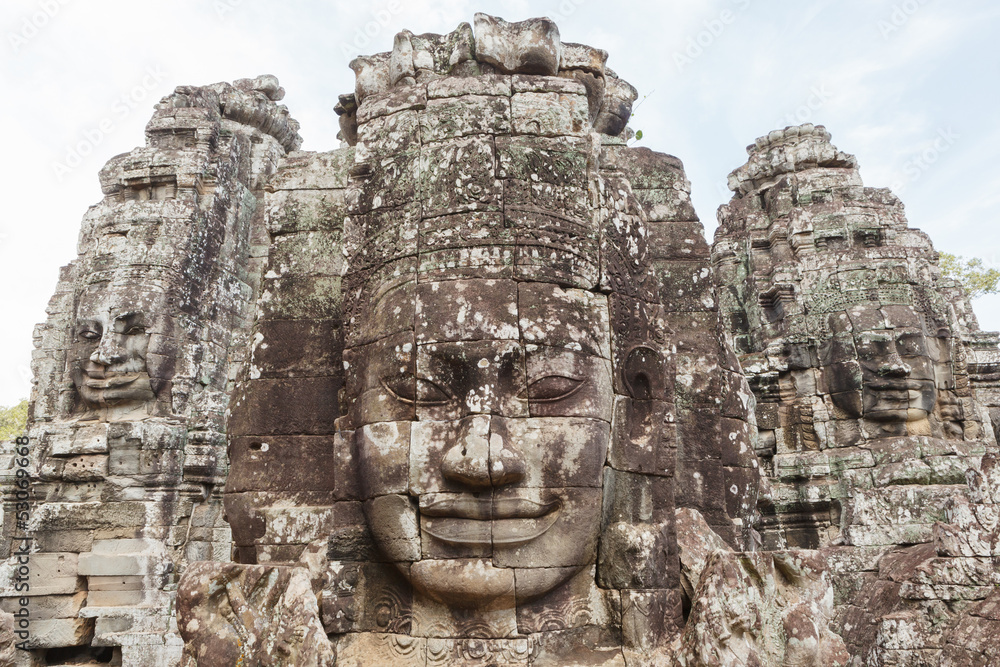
110	352
873	387
858	364
471	386
520	397
269	614
766	608
132	369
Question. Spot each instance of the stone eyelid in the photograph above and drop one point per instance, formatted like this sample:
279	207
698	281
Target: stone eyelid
576	384
387	382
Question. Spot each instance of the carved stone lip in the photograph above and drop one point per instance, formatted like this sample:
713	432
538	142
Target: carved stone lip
467	521
484	509
109	380
898	385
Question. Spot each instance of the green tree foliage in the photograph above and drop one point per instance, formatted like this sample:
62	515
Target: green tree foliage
976	278
13	420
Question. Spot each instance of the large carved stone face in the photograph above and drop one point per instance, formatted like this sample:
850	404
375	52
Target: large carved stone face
482	435
888	369
110	346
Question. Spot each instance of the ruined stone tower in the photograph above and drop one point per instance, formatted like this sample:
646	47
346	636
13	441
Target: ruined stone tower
473	389
133	370
872	413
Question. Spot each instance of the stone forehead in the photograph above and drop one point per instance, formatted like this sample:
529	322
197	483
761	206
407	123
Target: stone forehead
485	309
119	295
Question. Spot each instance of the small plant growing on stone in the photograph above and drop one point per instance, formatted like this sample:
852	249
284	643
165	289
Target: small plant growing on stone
975	278
13	420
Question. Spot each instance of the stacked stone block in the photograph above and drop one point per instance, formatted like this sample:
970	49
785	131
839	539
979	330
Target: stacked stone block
147	330
872	386
489	209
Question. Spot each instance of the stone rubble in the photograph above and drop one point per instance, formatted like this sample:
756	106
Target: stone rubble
473	389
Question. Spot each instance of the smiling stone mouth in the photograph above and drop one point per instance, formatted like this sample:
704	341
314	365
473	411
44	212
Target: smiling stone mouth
898	385
466	521
110	380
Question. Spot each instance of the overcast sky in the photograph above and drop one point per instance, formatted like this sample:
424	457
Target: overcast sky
909	86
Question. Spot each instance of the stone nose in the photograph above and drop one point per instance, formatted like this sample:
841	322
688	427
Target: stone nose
483	456
894	367
108	351
506	460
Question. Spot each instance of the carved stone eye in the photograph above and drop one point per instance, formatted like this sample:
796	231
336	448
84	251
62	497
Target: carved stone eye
89	334
416	391
553	388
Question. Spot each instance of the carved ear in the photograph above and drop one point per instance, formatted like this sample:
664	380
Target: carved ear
642	373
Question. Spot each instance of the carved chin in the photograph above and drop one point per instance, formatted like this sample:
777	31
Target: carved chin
463	583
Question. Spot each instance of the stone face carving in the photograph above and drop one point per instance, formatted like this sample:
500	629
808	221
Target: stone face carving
873	387
511	435
901	364
132	372
471	385
855	357
110	354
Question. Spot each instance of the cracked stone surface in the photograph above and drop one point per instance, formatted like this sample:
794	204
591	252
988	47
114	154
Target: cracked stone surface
473	389
875	393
